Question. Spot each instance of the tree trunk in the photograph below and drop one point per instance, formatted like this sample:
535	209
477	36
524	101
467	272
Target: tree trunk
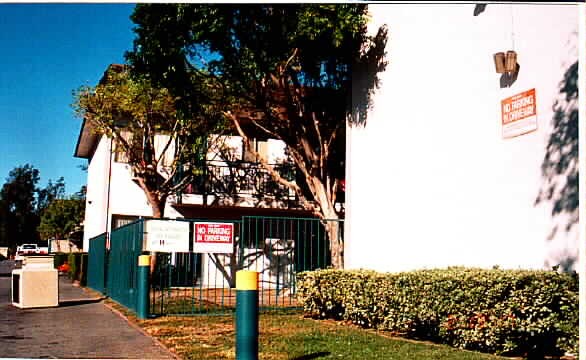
332	225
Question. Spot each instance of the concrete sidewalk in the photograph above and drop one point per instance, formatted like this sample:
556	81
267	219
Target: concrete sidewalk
82	327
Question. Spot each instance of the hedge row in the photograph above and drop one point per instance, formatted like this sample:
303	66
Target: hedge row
510	312
77	262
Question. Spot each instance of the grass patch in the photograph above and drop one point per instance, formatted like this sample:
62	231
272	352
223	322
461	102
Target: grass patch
289	336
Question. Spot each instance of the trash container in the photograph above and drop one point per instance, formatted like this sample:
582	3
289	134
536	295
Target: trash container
36	283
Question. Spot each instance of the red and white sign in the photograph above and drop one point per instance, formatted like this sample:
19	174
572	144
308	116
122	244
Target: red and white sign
519	114
213	238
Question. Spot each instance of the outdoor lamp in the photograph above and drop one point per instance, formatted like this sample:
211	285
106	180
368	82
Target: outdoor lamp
511	61
499	62
505	63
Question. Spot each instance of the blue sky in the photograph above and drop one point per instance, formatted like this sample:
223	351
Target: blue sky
46	52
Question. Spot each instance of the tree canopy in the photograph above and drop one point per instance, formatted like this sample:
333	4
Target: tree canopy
291	72
22	203
61	218
157	143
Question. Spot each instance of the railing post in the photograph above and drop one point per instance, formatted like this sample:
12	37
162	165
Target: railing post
246	315
144	262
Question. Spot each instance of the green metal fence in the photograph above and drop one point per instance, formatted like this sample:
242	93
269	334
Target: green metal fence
190	283
125	247
195	283
97	263
276	247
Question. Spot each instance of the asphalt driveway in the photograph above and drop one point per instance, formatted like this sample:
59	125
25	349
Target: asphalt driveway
81	327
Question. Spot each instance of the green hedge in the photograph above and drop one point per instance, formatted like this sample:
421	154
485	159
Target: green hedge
59	259
512	312
77	262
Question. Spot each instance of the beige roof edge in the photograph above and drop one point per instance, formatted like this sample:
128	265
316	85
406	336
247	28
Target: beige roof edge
86	142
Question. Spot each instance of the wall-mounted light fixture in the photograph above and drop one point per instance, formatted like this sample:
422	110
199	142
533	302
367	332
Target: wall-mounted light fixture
506	64
511	61
499	62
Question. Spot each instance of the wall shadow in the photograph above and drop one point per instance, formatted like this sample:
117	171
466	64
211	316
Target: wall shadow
366	77
559	168
508	79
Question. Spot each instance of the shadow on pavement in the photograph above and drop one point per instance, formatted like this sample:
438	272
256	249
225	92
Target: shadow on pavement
65	303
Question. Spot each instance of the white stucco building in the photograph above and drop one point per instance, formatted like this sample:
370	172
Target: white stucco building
433	179
233	186
113	198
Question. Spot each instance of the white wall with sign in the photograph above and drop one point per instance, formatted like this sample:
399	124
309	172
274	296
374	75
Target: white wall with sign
430	179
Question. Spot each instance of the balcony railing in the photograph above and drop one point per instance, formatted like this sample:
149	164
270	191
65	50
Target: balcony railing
242	179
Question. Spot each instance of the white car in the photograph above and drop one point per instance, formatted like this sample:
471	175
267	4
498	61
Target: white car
26	249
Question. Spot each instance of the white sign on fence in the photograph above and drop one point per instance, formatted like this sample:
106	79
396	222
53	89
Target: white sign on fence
166	236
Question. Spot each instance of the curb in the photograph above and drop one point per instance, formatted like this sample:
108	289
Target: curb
141	330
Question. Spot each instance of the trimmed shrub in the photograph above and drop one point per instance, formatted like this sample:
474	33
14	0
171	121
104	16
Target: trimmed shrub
82	277
512	312
73	262
59	259
77	263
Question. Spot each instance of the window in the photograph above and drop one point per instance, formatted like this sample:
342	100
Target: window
261	147
120	155
121	220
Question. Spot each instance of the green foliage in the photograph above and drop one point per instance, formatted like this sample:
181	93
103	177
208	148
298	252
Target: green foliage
18	207
22	203
73	262
291	72
59	259
52	192
78	263
82	276
154	139
61	217
498	311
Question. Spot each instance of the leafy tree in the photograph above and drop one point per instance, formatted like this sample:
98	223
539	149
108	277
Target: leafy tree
52	192
61	217
157	143
297	73
18	207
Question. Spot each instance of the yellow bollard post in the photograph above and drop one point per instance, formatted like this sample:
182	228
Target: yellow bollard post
246	315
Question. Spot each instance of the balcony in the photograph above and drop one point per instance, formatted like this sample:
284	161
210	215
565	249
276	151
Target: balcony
242	179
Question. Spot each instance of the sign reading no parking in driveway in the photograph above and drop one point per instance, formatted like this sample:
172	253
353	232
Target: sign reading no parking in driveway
213	237
519	114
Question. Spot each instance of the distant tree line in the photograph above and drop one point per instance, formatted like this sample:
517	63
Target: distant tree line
31	214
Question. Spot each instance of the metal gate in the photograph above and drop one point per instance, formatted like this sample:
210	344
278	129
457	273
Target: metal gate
125	247
189	283
97	263
276	247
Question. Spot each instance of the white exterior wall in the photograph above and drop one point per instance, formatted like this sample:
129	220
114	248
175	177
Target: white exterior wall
430	180
95	222
125	196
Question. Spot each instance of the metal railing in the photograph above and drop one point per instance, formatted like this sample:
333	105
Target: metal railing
242	178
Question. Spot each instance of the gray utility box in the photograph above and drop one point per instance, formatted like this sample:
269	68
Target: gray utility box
36	284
